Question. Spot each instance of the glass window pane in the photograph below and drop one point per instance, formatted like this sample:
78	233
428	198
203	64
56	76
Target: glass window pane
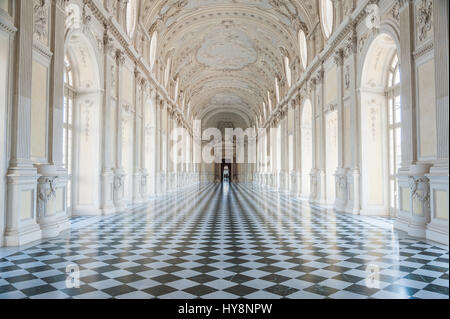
398	147
391	153
391	111
398	110
394	62
397	77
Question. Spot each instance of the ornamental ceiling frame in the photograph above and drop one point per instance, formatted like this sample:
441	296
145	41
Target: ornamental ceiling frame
269	26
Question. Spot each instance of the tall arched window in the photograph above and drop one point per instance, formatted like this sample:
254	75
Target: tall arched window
153	44
287	71
167	72
327	16
131	17
277	90
303	48
394	127
69	96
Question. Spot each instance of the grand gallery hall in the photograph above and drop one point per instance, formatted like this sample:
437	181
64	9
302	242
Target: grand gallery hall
224	149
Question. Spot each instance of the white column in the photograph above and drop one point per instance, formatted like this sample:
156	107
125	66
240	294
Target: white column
119	173
320	140
137	138
107	175
340	173
438	228
353	178
21	225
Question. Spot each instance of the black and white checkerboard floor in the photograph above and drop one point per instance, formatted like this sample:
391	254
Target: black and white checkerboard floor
228	241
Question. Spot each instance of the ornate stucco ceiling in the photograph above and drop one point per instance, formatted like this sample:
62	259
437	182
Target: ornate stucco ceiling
227	53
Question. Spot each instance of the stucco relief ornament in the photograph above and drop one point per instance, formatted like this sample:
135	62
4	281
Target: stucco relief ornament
313	184
420	189
424	18
293	177
396	11
339	57
373	17
46	191
40	27
118	181
143	180
112	6
86	18
342	181
347	77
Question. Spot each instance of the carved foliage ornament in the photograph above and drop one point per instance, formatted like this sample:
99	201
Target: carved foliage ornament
40	27
46	191
424	18
420	189
118	181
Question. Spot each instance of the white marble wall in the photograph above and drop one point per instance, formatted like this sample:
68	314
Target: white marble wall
115	86
332	82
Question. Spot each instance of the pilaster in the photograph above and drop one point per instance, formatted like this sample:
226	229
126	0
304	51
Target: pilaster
21	221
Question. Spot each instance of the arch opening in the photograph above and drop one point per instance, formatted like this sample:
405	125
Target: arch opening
380	127
81	125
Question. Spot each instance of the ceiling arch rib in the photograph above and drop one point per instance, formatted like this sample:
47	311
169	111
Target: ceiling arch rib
227	50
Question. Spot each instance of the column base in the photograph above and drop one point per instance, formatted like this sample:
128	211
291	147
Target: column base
23	236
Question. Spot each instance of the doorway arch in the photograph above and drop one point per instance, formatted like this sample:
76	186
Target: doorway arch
81	134
380	119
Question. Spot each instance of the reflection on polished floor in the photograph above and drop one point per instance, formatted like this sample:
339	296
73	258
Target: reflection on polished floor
229	241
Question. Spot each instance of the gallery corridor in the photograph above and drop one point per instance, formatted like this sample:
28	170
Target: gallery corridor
228	241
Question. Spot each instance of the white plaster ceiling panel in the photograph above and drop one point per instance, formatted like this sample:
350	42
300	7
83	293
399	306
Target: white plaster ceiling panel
226	48
226	53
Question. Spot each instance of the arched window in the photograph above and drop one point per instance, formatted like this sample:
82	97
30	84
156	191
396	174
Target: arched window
327	16
394	126
167	72
264	109
303	48
277	90
131	17
69	96
287	70
269	101
153	44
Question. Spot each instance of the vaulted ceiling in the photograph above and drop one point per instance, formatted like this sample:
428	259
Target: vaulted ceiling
227	53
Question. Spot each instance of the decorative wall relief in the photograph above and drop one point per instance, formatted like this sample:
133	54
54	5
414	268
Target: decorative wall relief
420	188
396	11
113	79
45	191
362	41
347	77
119	180
424	19
87	116
41	21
